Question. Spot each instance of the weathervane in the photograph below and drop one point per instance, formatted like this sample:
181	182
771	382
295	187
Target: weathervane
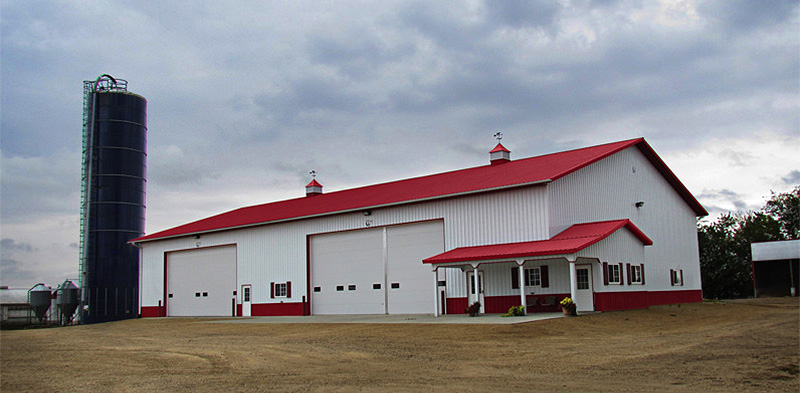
313	174
498	135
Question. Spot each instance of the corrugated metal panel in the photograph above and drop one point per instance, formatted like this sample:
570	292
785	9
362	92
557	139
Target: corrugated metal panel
609	189
277	253
773	251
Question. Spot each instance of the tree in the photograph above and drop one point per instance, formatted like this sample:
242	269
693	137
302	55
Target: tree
725	258
785	207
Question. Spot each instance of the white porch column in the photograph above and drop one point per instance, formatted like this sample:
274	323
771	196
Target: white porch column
573	285
521	280
435	292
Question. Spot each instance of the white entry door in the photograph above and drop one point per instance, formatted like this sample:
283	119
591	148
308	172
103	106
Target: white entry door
475	292
584	295
246	300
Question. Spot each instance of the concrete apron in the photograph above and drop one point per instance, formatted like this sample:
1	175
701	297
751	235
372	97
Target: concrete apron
494	319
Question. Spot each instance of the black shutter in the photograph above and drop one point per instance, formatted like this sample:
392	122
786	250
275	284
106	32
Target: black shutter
621	279
641	266
605	273
671	275
272	290
545	277
514	277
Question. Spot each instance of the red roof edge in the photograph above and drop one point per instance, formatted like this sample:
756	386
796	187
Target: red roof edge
673	180
623	145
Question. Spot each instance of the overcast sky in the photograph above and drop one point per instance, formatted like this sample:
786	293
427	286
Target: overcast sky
246	97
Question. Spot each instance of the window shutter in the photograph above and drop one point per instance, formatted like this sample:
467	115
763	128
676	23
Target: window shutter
681	277
288	289
544	276
272	290
641	265
628	268
671	274
621	279
514	277
605	273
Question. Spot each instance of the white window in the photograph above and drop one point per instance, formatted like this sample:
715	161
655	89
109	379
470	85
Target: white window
614	276
676	277
636	274
280	289
533	277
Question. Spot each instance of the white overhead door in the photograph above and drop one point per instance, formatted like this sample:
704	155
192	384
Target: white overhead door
410	282
375	271
201	282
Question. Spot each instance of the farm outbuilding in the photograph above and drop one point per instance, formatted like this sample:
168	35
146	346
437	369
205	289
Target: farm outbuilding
775	268
609	225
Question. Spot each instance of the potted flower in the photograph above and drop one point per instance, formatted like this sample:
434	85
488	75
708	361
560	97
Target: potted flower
569	307
474	309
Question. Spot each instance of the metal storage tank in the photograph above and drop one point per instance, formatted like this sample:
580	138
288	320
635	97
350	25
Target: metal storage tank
112	199
67	299
39	297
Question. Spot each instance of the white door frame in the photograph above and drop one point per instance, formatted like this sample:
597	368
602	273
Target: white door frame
247	300
584	298
471	298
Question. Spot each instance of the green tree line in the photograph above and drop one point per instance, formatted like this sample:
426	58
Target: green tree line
725	243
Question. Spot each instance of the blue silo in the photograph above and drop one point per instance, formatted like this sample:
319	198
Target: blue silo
112	199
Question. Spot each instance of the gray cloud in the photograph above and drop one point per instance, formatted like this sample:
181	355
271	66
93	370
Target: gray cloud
793	178
9	246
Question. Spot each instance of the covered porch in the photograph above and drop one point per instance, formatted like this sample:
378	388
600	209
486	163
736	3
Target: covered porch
539	274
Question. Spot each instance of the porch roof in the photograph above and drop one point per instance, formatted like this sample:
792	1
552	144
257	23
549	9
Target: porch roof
571	240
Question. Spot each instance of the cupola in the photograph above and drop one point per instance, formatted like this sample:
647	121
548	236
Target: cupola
313	188
499	155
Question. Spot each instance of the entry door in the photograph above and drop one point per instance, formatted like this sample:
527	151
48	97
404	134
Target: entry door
584	295
475	295
246	300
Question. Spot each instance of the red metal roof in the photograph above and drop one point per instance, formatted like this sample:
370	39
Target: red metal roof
499	147
313	183
528	171
572	240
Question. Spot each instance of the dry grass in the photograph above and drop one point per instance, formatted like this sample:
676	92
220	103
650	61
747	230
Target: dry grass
749	345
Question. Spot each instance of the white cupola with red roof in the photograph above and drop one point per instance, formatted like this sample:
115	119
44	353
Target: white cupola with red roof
499	155
313	188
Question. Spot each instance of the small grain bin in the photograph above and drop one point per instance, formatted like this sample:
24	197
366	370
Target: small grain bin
67	299
39	297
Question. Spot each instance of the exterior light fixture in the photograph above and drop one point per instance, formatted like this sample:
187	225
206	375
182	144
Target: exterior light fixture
367	212
639	204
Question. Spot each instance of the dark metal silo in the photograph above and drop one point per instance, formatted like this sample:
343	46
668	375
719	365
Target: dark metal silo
113	199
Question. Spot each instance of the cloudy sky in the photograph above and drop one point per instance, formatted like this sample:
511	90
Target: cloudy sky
245	97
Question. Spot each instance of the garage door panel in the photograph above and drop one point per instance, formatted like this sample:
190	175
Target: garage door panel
408	245
344	260
361	258
201	282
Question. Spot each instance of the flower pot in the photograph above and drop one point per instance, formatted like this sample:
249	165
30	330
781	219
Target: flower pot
569	310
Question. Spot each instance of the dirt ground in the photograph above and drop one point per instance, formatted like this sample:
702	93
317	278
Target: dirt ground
747	345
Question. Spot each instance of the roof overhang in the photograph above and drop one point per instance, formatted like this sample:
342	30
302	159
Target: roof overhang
566	243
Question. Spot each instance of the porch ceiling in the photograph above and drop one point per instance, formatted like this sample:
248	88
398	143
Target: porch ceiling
570	241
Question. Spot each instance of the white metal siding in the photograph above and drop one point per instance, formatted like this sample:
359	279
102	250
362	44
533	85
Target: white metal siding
773	251
277	252
609	189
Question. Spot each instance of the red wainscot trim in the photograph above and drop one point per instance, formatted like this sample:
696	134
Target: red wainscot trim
153	311
501	304
276	309
612	301
657	298
456	305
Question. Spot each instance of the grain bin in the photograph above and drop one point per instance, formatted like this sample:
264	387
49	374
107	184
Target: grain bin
39	297
67	299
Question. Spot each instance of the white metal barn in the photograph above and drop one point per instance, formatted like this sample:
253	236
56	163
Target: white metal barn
609	225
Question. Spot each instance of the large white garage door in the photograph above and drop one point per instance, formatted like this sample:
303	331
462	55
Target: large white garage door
201	283
375	271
